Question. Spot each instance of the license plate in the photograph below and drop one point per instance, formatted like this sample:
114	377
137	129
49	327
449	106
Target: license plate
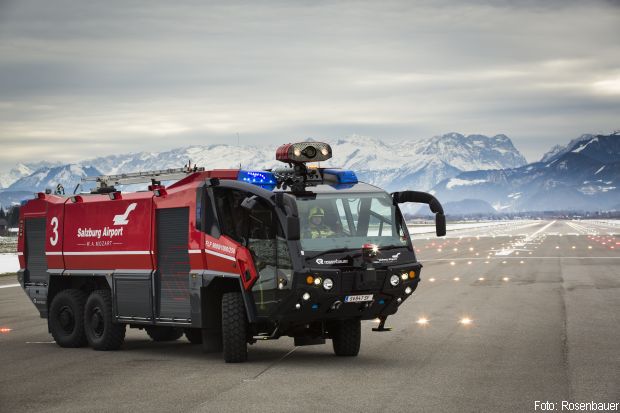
358	298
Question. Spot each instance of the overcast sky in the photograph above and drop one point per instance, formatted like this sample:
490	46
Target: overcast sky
80	80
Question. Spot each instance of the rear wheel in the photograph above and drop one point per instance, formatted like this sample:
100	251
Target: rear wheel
101	330
193	335
159	333
66	318
234	328
346	337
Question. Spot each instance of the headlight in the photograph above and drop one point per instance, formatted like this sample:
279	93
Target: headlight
306	296
404	276
408	290
394	280
328	284
317	281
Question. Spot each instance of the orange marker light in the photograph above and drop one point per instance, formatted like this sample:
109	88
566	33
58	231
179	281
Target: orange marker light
412	274
309	280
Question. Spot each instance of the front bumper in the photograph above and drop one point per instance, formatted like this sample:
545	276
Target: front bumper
325	305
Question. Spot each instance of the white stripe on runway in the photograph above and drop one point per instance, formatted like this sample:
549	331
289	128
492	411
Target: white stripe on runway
9	285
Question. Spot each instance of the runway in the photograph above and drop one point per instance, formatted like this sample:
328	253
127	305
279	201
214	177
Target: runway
505	316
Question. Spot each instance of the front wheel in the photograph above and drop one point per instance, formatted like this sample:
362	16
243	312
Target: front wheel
101	330
346	337
234	328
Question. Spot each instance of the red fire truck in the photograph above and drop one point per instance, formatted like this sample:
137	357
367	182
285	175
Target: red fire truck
226	257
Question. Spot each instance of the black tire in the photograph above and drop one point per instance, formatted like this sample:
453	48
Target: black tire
102	332
193	335
234	328
346	337
159	333
66	318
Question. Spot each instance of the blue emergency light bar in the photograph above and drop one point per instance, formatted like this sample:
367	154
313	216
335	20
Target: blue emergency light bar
263	179
343	176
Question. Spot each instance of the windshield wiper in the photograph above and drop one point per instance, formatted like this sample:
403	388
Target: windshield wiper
356	254
332	251
392	247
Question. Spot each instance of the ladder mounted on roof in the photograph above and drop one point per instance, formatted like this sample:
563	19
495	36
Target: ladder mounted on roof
107	183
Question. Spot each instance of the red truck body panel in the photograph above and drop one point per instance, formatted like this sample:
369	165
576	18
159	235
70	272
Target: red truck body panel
98	233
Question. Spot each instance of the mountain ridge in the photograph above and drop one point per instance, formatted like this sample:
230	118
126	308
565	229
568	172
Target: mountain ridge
421	163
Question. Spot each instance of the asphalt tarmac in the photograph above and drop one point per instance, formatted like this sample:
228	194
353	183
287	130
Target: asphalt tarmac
505	316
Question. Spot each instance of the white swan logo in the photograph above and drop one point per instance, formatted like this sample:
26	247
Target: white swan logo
123	219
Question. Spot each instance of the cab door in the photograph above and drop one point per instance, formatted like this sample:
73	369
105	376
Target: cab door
259	230
266	242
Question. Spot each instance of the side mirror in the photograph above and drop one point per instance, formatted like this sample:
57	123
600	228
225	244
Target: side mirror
293	231
424	198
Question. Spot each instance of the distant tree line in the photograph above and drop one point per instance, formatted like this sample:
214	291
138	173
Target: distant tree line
11	216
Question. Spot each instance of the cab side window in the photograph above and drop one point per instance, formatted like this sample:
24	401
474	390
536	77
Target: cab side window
232	218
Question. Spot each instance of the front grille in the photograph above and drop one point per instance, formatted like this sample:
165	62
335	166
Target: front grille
357	281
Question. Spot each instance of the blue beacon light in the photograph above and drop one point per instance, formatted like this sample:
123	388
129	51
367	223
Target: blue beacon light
260	178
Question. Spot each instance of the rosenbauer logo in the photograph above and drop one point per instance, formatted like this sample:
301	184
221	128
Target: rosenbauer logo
321	261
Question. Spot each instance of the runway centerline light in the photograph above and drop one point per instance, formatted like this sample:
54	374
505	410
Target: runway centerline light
466	321
506	279
481	279
431	280
422	321
457	279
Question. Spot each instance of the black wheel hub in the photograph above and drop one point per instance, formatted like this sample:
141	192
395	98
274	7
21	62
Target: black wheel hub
96	322
66	319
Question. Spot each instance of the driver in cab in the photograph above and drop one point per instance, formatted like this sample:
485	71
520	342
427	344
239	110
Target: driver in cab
316	227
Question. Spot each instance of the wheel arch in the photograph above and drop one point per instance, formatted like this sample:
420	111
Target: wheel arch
84	283
211	299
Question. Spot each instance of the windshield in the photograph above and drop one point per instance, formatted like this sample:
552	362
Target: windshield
349	220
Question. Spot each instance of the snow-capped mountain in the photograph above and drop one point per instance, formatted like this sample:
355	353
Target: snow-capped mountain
559	150
418	164
67	175
584	175
20	170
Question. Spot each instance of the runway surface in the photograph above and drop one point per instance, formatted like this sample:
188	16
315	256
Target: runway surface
505	316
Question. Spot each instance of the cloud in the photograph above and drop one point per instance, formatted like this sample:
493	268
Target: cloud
143	75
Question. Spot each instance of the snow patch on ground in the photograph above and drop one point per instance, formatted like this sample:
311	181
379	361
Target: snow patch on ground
8	263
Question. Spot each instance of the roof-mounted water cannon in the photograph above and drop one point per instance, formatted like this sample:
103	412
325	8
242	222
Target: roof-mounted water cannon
294	153
297	155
